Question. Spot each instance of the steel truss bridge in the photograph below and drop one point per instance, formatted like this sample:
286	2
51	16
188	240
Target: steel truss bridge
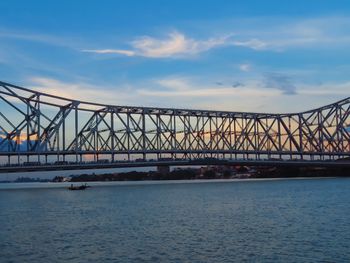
39	131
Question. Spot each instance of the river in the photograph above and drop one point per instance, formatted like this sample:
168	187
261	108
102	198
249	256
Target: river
289	220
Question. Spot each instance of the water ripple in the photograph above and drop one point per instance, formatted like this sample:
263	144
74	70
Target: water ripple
262	221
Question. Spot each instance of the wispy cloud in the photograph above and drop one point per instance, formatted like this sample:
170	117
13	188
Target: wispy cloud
281	34
273	91
271	85
111	51
254	43
274	34
340	89
259	34
45	38
176	44
188	92
280	82
78	90
187	87
237	84
245	67
179	90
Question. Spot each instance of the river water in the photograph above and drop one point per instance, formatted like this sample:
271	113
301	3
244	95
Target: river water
190	221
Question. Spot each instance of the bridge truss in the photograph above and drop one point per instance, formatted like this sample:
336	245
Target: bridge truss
44	128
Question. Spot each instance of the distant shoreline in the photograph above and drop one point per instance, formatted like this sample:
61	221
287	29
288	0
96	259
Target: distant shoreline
179	180
202	173
33	185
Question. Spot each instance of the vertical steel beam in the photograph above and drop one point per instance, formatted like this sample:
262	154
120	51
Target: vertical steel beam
76	120
111	135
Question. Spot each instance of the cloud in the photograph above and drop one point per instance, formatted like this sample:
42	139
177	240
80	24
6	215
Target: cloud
254	43
175	44
174	91
325	89
320	32
180	91
78	90
173	83
245	67
280	82
52	40
258	34
198	93
237	84
111	51
182	87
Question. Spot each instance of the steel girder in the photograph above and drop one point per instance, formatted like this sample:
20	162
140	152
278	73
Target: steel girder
37	125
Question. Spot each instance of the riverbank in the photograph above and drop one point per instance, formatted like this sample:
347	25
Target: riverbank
212	172
197	173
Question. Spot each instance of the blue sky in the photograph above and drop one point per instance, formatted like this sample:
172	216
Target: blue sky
262	56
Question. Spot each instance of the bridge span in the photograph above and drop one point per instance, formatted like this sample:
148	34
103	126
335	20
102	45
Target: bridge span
40	131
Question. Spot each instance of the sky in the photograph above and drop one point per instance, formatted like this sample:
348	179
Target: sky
256	56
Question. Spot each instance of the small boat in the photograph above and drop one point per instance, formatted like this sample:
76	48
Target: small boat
81	187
